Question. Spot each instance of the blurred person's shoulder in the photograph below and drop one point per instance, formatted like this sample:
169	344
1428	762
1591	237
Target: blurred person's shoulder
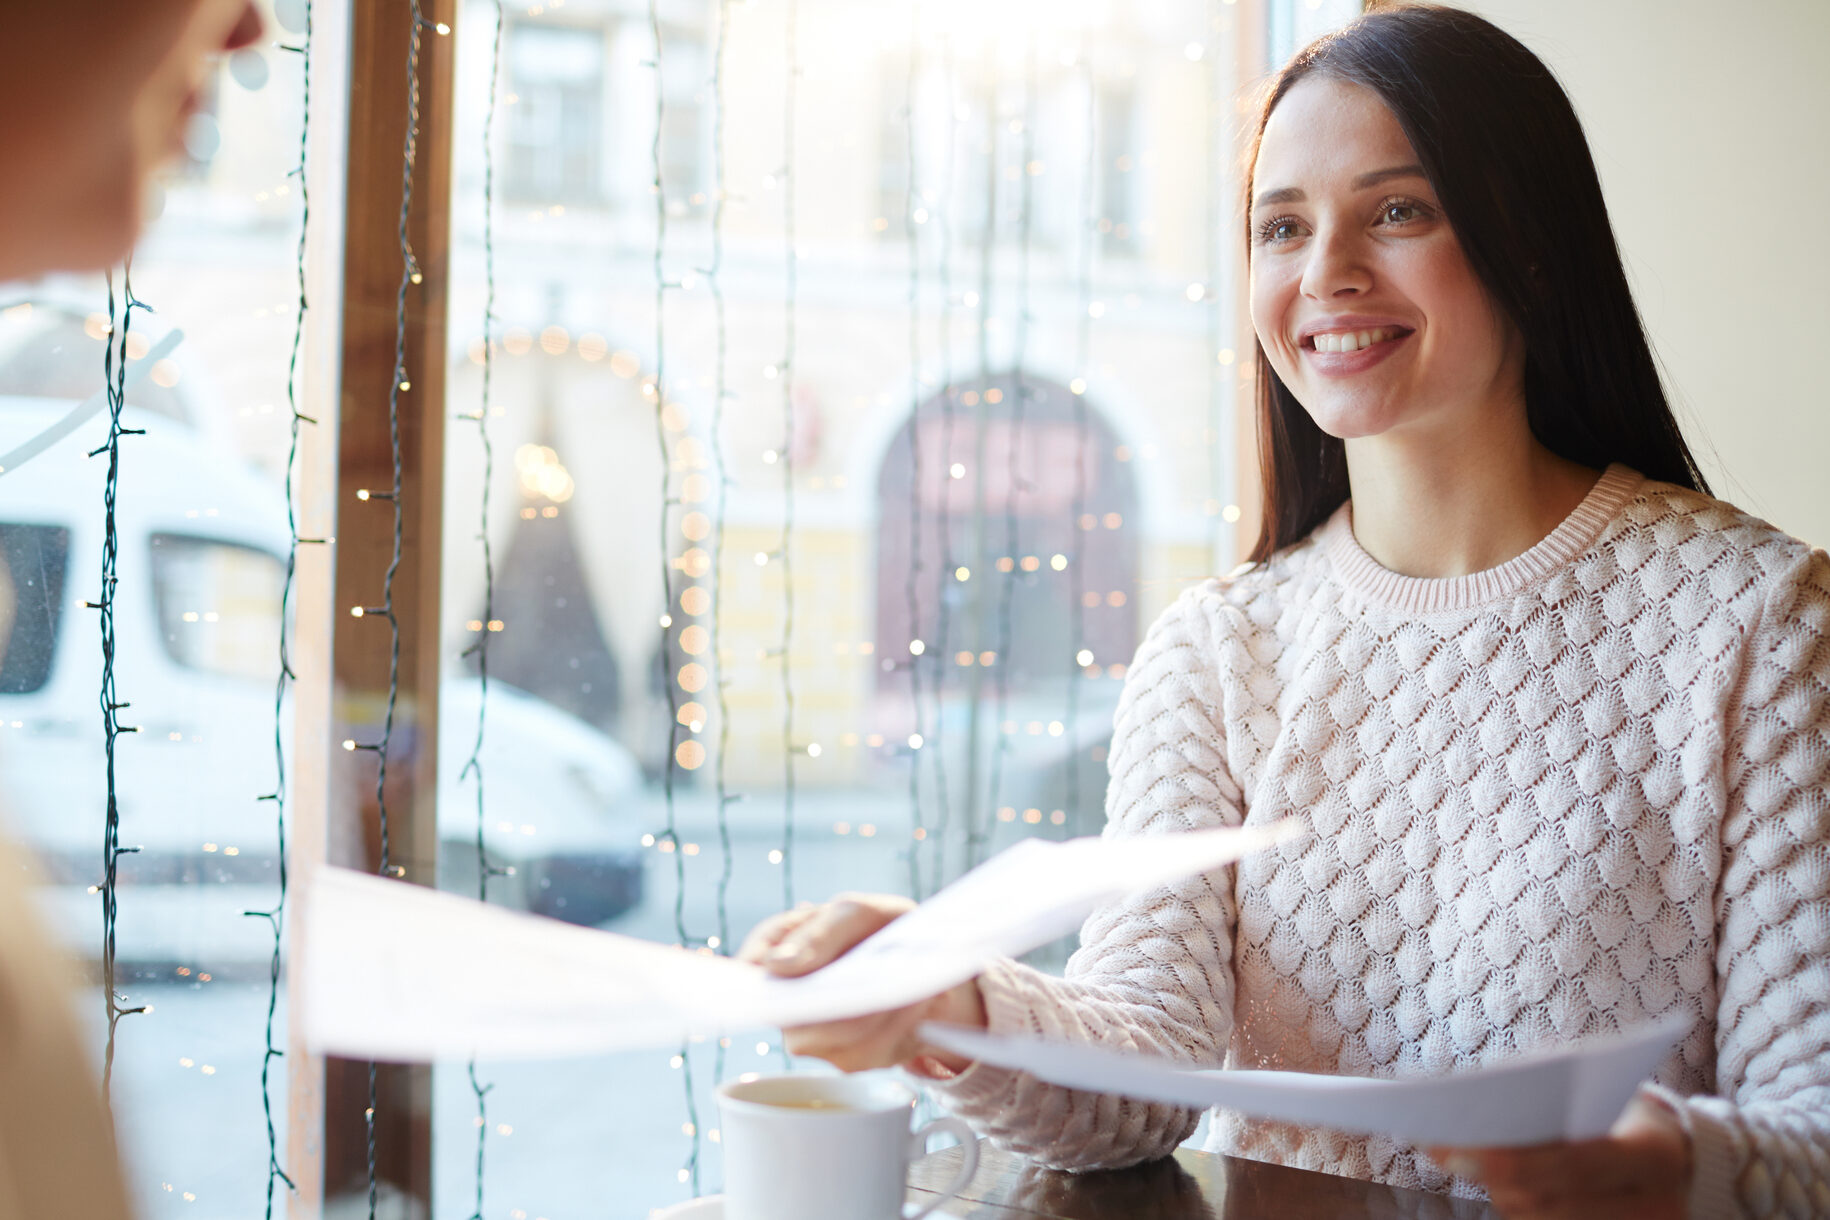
57	1153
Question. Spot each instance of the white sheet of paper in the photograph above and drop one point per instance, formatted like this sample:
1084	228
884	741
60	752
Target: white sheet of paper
400	972
1572	1093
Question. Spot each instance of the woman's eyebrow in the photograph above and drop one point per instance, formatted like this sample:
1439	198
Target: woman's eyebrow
1385	175
1291	194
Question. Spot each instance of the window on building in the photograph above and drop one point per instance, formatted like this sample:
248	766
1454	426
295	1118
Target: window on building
555	78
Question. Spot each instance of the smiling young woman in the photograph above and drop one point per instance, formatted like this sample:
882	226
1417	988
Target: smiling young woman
1558	720
1444	176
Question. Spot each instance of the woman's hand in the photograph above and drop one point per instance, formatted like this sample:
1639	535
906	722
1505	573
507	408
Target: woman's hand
1638	1171
800	941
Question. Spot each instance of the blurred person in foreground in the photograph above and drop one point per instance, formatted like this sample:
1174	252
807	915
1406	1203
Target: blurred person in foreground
1557	718
96	95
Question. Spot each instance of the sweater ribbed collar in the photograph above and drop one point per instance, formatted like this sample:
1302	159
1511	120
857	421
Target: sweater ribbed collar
1364	575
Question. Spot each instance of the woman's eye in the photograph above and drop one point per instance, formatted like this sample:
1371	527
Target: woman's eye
1400	213
1280	229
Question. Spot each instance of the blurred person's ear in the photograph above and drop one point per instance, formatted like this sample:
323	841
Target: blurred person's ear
97	99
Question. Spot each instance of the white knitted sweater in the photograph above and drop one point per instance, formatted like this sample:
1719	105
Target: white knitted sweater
1550	800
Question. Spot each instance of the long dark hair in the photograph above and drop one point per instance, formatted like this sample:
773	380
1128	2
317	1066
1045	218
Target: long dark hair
1502	147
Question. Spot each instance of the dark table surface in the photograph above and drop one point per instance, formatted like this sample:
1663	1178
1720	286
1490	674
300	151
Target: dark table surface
1190	1186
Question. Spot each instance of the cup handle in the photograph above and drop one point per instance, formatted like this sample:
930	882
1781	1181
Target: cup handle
969	1144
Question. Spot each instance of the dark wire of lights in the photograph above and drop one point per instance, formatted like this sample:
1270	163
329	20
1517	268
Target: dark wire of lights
912	578
1015	482
943	628
1219	445
114	371
474	764
1077	583
1212	185
409	276
978	822
275	916
668	500
720	392
790	92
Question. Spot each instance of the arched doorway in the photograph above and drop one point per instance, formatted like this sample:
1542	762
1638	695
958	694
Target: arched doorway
1013	560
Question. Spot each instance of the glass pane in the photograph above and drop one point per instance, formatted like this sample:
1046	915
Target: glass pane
853	615
202	544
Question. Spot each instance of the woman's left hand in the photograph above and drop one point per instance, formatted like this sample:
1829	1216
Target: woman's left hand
1638	1171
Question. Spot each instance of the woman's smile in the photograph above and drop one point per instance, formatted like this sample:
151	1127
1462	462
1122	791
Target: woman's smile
1342	347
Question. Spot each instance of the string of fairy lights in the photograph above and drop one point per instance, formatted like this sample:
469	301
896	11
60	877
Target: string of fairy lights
473	766
982	805
1218	446
714	271
912	221
1083	331
791	71
1016	482
275	916
658	388
114	371
949	393
398	384
977	819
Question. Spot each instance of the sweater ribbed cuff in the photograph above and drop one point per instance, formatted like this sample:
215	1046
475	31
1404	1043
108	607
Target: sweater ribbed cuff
982	1087
1714	1164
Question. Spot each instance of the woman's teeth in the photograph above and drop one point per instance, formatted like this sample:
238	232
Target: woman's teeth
1353	341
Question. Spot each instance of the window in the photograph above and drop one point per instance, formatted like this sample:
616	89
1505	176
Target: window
555	75
641	584
723	604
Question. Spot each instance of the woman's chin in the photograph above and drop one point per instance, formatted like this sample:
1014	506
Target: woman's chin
1353	419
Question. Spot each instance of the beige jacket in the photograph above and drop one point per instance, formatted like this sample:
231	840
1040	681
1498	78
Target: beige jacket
57	1153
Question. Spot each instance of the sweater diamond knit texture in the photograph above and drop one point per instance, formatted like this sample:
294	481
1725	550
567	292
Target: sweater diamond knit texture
1549	801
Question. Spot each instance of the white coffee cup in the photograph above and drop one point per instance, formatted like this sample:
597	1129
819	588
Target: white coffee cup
827	1148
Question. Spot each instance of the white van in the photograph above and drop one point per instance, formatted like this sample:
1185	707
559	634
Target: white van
201	561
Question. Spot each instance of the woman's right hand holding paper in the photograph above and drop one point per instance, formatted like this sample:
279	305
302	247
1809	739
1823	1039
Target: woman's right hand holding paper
810	936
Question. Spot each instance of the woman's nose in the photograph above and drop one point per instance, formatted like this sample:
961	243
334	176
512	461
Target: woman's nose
247	31
1335	267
